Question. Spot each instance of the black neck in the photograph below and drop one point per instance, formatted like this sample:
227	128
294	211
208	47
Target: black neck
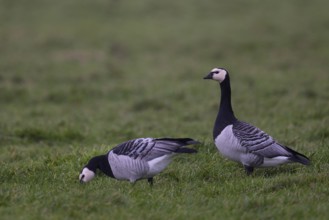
225	114
100	162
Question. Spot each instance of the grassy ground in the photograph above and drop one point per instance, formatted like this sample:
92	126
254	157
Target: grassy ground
79	77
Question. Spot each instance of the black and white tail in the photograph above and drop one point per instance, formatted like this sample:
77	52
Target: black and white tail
298	157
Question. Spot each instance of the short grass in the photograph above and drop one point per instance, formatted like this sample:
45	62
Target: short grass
79	77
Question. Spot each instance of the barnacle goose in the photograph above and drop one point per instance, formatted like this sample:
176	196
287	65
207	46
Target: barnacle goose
140	158
243	142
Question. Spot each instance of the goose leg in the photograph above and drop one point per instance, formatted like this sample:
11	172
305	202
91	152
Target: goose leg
150	180
248	169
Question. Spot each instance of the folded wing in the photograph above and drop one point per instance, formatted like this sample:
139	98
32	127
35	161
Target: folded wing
258	142
151	148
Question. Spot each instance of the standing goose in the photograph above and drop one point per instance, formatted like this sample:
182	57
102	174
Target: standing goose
136	159
242	142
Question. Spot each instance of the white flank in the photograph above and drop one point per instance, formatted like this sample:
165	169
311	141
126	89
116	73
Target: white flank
127	168
158	164
228	145
275	161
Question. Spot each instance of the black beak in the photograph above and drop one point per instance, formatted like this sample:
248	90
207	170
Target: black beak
81	180
209	76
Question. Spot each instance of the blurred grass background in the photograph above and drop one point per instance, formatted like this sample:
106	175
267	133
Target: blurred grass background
78	77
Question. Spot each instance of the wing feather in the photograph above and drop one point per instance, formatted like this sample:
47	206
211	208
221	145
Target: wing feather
150	148
257	141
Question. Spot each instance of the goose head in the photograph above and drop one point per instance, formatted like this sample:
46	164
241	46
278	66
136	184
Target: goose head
86	175
218	74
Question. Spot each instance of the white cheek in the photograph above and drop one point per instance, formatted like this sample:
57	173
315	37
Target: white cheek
219	76
88	175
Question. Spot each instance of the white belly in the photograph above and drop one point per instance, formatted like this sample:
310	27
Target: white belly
228	145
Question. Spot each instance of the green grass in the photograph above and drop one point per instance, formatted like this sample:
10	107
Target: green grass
79	77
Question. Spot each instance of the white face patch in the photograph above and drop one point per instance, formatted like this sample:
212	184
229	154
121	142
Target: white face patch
219	74
86	175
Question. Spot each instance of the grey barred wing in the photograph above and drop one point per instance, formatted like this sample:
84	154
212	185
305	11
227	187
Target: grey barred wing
150	148
137	148
168	146
257	141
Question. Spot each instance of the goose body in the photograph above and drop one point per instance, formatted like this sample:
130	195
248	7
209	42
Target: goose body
243	142
137	159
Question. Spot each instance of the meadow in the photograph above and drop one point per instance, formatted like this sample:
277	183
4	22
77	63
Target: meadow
79	77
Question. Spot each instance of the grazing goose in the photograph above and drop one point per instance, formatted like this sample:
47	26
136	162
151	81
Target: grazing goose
242	142
136	159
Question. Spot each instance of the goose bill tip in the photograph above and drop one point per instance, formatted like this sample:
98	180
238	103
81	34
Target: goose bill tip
209	76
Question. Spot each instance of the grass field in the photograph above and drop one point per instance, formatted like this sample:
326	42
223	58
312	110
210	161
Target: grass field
79	77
